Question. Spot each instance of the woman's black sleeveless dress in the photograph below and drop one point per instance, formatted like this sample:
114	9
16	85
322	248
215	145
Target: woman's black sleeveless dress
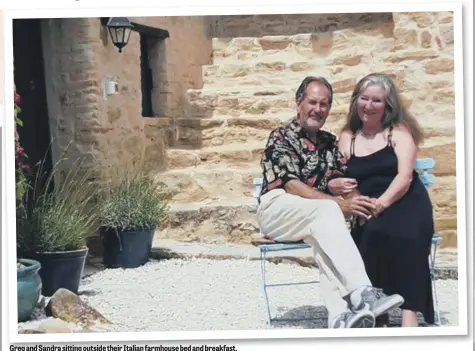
395	246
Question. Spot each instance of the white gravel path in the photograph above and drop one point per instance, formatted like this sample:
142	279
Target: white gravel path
203	294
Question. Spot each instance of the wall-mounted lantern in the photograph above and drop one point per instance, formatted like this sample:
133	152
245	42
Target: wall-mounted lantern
119	30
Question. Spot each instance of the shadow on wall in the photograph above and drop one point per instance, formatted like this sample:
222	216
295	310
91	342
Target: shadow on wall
290	24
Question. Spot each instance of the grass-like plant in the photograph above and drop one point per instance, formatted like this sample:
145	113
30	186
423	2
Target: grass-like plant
59	213
135	202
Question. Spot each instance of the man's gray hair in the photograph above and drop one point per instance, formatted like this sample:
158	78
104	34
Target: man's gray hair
302	89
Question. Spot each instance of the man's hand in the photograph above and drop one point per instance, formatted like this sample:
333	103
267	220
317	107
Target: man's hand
342	186
361	206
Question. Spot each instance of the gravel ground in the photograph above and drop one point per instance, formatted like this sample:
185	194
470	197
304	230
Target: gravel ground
203	294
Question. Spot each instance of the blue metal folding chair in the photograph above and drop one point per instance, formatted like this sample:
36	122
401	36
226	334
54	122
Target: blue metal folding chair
422	166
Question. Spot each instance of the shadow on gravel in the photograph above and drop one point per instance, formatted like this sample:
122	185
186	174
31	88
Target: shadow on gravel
315	317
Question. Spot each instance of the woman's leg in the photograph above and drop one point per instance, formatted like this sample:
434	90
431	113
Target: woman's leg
409	319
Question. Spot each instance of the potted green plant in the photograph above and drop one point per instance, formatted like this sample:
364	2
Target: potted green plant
59	215
132	207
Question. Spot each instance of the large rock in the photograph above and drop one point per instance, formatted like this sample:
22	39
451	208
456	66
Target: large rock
69	307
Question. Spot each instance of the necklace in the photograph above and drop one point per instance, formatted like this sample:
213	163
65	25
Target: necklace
368	135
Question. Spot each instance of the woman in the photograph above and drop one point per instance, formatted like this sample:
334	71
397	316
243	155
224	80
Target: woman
380	142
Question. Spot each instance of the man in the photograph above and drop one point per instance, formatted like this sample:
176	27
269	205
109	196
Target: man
295	204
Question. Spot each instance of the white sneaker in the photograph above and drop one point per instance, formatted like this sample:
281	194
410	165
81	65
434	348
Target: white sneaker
379	303
363	318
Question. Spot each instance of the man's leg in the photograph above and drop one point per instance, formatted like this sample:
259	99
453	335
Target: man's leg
286	217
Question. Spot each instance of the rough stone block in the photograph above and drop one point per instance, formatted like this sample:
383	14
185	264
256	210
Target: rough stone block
69	307
414	55
439	65
447	33
423	19
445	17
406	36
444	156
344	85
426	39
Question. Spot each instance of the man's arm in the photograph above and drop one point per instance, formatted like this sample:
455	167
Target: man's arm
281	169
352	205
297	187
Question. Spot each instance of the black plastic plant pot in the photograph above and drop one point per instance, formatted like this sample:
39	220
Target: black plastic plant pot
126	248
61	270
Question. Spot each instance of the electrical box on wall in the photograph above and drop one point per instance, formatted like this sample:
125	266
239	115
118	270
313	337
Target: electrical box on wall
110	88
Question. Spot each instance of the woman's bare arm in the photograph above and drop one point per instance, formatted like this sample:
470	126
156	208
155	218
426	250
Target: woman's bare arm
406	152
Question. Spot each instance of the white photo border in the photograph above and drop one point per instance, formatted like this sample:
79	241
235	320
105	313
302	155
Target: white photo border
8	174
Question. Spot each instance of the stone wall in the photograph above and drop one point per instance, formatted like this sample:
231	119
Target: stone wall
249	89
289	24
415	48
419	54
79	56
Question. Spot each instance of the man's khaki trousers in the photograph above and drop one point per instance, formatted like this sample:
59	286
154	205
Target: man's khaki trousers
321	223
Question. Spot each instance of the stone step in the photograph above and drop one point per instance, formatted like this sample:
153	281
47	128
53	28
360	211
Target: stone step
290	80
446	260
266	64
233	154
193	133
370	37
243	48
211	182
230	221
236	101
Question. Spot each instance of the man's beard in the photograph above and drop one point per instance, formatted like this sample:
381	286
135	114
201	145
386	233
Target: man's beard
316	123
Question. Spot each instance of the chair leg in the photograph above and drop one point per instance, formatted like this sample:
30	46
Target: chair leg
264	283
436	304
434	288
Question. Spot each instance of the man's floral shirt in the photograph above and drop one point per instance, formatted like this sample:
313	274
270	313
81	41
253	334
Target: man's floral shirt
290	154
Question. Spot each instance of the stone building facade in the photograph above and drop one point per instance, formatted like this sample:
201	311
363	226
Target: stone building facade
221	83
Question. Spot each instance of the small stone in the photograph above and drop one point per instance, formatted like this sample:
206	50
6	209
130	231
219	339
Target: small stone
416	55
447	33
347	60
407	37
426	39
439	65
446	17
67	306
55	326
30	331
344	85
423	19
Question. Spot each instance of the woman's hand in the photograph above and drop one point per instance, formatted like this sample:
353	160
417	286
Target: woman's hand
379	207
342	186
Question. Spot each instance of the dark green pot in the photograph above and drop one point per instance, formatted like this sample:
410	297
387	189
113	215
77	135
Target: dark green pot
29	288
61	270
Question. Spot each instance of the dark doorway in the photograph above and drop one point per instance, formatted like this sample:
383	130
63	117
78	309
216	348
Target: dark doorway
146	75
30	84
